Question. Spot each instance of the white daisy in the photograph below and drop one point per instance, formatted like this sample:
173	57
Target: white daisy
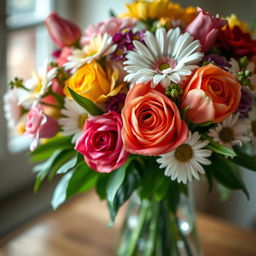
12	110
37	85
166	57
252	118
73	120
185	162
235	69
98	47
231	131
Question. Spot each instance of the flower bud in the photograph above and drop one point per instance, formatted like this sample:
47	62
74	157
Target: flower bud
62	32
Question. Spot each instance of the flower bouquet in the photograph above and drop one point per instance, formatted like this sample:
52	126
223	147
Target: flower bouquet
140	105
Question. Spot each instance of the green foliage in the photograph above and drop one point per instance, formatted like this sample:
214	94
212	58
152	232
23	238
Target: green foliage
44	151
52	165
244	160
59	195
125	190
217	148
83	179
87	104
226	174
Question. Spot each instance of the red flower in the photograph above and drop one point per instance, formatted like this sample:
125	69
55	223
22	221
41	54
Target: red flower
236	42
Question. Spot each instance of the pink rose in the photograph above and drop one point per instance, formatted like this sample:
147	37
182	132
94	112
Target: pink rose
205	28
39	125
110	26
101	142
62	32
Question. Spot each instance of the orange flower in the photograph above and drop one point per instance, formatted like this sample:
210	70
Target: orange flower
151	122
211	94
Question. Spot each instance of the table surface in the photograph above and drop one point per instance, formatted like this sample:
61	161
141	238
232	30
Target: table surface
79	228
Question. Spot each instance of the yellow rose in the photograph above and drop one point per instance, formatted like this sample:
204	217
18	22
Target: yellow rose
160	9
92	82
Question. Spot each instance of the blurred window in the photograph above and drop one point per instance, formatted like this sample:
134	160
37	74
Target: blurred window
24	46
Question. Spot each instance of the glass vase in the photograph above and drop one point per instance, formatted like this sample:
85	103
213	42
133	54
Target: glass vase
151	228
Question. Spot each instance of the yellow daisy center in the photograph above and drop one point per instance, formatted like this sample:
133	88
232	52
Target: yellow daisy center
226	134
81	120
184	153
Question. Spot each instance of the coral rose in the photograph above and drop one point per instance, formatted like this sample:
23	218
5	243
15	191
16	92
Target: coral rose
211	94
151	122
101	142
92	82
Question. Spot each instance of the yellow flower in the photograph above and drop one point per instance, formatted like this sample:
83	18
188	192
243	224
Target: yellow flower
92	82
188	14
234	21
147	10
160	9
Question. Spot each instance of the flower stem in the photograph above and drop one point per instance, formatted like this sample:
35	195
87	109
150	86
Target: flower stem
153	229
137	231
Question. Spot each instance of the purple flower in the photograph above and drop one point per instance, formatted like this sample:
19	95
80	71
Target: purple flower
124	41
245	102
219	61
116	102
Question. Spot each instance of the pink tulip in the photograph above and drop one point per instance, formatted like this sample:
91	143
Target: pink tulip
62	32
39	125
205	28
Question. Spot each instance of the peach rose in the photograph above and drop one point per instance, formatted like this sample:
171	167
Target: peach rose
151	122
211	94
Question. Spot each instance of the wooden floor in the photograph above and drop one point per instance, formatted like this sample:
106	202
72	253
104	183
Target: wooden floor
79	229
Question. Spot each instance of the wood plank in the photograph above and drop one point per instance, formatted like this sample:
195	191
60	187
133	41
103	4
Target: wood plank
79	228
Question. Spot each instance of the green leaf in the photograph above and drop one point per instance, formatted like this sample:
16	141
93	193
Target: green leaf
87	104
244	160
225	173
151	179
224	192
101	186
126	189
45	150
162	190
60	160
43	169
59	195
115	180
217	148
174	195
69	164
82	180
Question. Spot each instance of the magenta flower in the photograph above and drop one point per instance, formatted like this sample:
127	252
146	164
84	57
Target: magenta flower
124	41
116	102
205	27
39	125
101	143
62	32
217	60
